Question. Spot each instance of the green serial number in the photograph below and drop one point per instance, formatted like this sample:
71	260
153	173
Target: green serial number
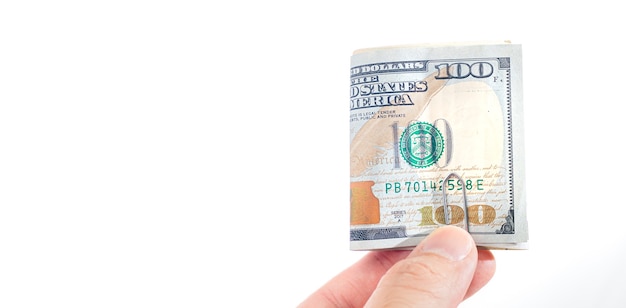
426	186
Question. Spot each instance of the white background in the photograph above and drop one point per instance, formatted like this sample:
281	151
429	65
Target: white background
187	154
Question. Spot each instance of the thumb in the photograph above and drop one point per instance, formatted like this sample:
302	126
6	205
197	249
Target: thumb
437	273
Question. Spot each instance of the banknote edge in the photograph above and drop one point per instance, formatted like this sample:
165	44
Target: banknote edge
433	45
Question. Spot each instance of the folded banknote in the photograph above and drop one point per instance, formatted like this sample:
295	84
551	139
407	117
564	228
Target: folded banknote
436	138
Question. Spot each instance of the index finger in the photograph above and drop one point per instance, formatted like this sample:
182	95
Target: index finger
353	286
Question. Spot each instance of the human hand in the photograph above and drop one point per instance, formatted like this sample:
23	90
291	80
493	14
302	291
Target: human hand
442	271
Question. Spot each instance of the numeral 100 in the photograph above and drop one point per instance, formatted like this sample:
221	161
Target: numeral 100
462	70
478	214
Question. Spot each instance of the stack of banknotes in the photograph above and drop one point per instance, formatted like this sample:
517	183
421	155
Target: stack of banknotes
437	138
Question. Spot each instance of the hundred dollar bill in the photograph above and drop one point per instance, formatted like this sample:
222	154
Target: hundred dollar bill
436	138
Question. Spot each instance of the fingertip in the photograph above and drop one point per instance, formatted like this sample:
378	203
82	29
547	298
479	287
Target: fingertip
485	270
486	263
486	255
450	242
437	273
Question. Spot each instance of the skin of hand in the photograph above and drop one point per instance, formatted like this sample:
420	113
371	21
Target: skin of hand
442	271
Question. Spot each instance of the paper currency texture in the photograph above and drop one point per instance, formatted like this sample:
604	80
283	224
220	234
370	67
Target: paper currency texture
436	138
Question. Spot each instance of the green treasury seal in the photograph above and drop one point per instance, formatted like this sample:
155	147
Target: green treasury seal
421	144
